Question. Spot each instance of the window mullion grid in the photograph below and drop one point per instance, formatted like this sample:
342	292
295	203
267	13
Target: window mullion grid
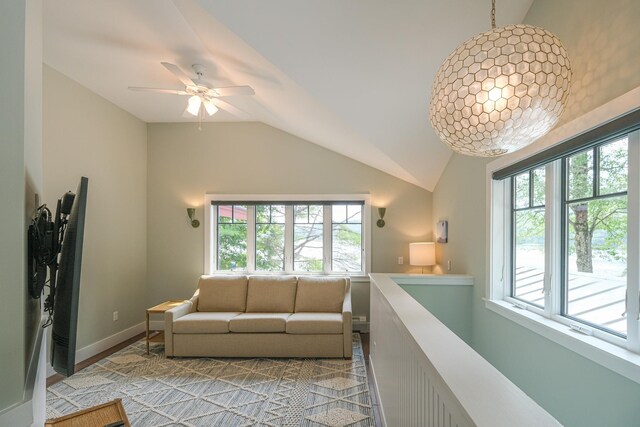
633	243
251	238
288	239
553	239
327	235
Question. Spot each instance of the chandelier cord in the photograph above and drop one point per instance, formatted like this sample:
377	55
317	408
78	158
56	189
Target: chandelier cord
493	14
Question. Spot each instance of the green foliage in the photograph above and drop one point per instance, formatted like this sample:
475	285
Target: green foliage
232	246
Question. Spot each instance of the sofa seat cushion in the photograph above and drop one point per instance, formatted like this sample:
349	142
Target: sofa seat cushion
320	294
271	294
203	323
259	322
314	323
222	293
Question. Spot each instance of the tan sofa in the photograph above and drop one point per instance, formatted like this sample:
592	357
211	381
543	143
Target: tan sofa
263	316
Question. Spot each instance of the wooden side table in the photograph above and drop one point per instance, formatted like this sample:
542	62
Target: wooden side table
158	336
101	415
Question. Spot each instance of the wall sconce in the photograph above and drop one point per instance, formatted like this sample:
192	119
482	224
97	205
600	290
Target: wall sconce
381	212
422	253
194	222
442	232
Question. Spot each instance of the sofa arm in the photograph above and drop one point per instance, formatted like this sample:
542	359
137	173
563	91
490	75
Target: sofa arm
173	314
347	323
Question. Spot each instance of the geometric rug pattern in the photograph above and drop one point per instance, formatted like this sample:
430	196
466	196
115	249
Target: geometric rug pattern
190	392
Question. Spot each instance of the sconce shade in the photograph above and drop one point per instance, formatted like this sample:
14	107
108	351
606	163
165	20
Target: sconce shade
422	253
191	213
381	212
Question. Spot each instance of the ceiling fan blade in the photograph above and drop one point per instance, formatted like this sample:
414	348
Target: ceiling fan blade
233	91
223	105
177	71
158	90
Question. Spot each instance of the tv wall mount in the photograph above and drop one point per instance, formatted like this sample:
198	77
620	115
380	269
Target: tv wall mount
44	243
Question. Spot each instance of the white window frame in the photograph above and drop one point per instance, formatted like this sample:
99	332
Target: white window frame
210	231
613	352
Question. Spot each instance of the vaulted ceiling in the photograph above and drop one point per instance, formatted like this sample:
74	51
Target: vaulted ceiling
353	76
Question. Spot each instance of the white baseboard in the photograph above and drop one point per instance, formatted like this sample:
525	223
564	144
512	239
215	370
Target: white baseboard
97	347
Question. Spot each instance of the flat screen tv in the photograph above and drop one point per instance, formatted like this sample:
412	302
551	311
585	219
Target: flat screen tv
67	282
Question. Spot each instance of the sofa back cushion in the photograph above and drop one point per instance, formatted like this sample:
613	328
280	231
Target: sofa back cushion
320	294
222	293
271	294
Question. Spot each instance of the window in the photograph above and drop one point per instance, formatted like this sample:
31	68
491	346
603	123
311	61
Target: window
269	237
528	219
307	238
232	237
564	236
291	234
346	228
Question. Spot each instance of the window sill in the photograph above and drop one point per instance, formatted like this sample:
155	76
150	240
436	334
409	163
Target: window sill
617	359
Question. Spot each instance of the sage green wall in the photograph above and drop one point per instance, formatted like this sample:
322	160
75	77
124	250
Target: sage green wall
253	158
450	304
12	222
20	180
575	390
85	135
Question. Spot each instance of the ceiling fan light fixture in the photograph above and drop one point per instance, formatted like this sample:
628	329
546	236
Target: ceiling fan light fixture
193	106
209	107
500	90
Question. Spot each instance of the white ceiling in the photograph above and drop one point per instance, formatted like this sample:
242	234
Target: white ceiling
353	76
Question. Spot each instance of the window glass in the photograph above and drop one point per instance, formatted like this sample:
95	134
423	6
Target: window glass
528	237
270	237
580	175
346	227
597	262
613	161
538	186
522	190
307	238
232	237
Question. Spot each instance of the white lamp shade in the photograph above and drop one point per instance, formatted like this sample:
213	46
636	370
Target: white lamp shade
210	108
422	253
193	106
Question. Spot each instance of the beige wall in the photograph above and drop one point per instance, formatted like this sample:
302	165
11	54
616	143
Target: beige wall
253	158
85	135
601	38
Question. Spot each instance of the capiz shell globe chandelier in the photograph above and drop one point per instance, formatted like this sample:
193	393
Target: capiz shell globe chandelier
501	90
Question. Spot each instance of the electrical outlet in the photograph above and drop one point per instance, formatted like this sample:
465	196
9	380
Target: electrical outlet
115	316
400	260
449	265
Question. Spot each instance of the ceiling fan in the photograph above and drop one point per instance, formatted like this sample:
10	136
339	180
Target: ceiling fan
203	98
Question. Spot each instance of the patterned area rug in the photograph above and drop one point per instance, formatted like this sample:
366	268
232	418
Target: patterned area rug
156	391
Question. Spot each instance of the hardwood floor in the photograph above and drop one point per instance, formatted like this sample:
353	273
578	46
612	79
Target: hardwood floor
375	403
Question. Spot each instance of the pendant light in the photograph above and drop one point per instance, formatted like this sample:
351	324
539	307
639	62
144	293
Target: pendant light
501	90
